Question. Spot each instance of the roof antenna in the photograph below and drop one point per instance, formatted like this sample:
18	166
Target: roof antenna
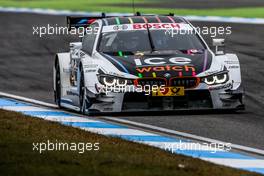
137	14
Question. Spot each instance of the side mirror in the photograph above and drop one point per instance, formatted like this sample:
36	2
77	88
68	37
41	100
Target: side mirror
75	50
219	46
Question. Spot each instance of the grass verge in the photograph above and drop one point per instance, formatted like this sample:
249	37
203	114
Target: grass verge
115	157
101	6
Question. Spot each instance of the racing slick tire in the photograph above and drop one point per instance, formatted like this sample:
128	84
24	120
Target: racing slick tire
85	101
57	92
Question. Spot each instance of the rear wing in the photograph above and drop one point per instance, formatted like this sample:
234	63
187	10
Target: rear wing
76	22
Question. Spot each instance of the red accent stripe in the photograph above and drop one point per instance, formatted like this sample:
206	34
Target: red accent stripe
172	20
180	74
158	19
90	21
145	19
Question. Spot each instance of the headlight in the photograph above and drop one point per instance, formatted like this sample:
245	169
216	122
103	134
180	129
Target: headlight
108	81
216	79
111	81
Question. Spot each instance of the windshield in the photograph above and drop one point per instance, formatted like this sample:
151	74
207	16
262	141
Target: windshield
138	40
125	41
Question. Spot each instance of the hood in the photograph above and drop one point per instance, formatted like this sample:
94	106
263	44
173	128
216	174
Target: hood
166	64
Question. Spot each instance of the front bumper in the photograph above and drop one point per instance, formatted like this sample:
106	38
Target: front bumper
201	98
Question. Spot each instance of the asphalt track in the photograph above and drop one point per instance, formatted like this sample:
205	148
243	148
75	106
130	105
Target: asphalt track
26	62
195	4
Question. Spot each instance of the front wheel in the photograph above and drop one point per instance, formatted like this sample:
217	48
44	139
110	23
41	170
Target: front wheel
57	85
85	102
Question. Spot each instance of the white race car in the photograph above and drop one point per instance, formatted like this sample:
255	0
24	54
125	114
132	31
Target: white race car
134	63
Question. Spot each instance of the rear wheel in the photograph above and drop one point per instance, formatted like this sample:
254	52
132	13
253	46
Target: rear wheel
58	85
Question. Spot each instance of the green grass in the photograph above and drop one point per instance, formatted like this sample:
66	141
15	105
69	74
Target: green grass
115	157
100	6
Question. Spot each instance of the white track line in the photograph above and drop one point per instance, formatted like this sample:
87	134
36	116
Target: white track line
68	119
186	135
37	102
145	126
24	108
181	146
82	13
109	131
237	163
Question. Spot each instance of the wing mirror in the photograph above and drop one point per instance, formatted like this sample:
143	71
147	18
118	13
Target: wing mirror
219	46
75	48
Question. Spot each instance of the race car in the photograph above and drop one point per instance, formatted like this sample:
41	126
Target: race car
144	63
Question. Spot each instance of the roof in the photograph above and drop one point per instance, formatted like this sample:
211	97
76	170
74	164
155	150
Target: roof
142	19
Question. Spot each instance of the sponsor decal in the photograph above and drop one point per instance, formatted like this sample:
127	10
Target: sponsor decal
233	67
161	61
169	91
157	26
144	26
158	64
180	60
232	62
177	68
90	70
66	70
72	93
120	27
90	66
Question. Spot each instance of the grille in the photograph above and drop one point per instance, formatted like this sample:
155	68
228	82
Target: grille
193	99
151	82
189	82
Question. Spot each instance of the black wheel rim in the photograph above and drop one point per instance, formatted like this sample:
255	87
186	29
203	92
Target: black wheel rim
58	85
82	98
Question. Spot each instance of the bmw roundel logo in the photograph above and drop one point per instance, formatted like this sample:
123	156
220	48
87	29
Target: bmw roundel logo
124	27
120	27
167	75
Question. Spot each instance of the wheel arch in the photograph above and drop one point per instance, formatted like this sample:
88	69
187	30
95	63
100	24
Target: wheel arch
63	60
231	62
